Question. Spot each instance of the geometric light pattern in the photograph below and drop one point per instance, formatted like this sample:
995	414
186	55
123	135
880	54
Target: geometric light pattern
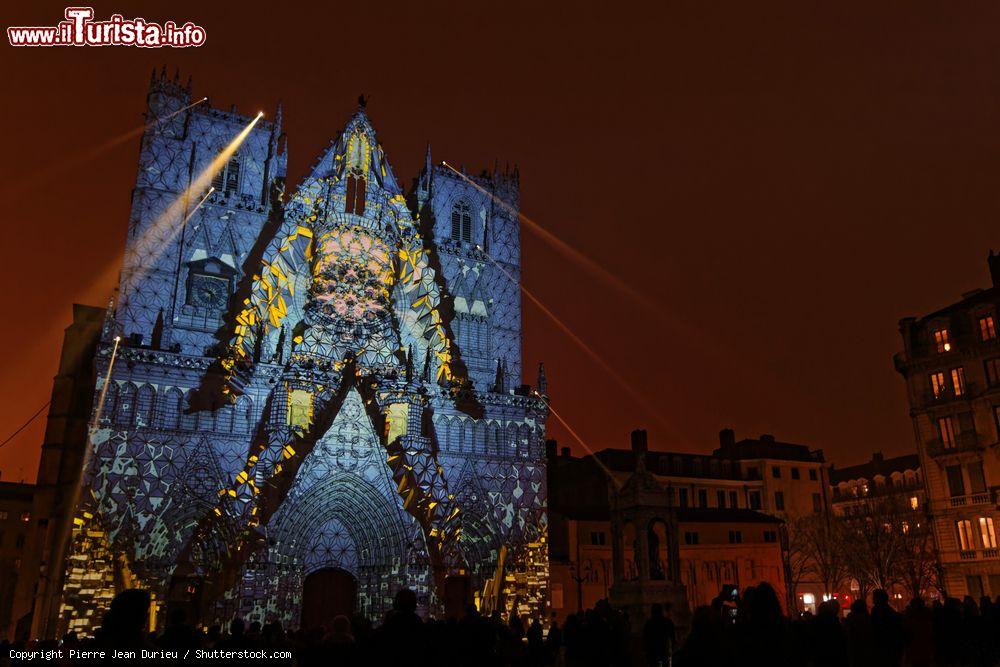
326	380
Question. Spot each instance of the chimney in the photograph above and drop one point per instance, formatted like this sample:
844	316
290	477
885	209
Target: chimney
550	449
994	262
640	444
727	438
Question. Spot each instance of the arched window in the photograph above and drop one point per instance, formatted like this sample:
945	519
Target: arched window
189	420
170	408
125	410
244	415
224	418
461	222
144	405
227	180
110	403
357	170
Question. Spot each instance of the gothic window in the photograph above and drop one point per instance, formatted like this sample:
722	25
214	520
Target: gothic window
224	419
189	420
227	179
244	415
357	169
126	405
461	222
110	403
171	406
144	406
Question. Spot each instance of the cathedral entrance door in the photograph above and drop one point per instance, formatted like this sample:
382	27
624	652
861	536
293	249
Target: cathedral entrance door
327	593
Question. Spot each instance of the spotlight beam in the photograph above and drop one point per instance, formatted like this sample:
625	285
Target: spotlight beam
590	352
564	248
64	165
163	230
590	452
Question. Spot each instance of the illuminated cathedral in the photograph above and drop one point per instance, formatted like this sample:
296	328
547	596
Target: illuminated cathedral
308	398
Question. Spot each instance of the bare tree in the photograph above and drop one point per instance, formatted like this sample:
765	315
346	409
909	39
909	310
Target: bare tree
818	540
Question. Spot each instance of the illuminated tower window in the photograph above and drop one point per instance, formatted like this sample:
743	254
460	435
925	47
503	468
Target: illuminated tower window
461	222
357	168
300	407
227	179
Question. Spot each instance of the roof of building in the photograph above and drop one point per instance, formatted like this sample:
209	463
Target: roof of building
877	466
16	492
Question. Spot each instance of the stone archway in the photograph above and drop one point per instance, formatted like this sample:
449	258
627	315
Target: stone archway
326	594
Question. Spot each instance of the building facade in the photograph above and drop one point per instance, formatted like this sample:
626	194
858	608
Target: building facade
885	498
730	507
313	390
951	364
15	530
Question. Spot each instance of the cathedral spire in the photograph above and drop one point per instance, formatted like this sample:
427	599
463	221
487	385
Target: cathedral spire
500	381
427	365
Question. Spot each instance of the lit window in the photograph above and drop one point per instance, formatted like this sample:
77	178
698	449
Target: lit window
958	380
937	383
965	542
300	406
3	515
987	328
25	517
227	179
914	502
946	431
987	533
941	342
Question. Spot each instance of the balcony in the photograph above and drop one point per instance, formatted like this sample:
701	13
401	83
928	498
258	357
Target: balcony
971	554
972	499
964	442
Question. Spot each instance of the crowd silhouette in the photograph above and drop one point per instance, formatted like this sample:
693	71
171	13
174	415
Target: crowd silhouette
747	630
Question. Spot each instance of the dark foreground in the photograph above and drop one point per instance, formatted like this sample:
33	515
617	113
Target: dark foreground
753	632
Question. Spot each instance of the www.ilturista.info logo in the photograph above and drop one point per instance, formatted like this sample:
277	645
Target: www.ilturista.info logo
80	29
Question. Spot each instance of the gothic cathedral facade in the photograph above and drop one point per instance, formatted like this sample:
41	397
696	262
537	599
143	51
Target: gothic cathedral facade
323	379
